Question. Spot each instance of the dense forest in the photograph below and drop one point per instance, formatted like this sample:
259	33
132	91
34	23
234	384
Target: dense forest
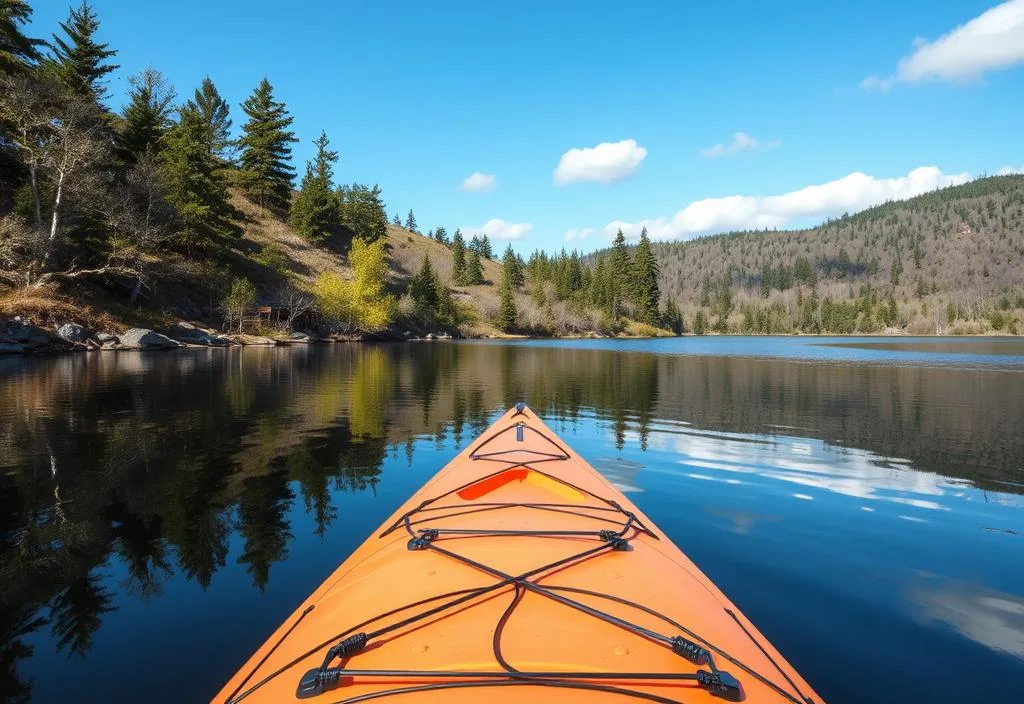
947	261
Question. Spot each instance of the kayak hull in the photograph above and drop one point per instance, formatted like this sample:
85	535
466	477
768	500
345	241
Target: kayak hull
517	571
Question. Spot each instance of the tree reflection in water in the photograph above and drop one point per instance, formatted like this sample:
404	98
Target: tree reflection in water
147	464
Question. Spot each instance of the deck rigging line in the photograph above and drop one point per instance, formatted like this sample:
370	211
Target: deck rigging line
687	644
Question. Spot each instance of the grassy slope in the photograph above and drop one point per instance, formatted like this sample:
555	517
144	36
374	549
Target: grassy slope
406	251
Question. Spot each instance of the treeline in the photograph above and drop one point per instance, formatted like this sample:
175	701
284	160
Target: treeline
947	262
566	294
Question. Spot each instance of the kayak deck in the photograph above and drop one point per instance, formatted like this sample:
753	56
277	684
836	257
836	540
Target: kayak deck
517	571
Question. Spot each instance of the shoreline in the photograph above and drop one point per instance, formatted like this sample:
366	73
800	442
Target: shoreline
23	338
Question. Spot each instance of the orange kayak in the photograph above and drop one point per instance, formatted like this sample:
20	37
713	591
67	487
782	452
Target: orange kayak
517	573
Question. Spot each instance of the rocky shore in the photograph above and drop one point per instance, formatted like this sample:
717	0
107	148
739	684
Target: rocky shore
20	336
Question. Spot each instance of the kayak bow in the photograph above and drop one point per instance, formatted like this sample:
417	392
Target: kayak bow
517	567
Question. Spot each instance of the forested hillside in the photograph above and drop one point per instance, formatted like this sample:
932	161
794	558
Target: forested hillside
951	260
184	207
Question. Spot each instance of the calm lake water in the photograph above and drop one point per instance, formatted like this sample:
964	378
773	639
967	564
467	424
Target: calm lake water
862	500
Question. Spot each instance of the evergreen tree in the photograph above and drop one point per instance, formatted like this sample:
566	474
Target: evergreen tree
700	323
485	247
77	60
396	221
512	267
214	113
410	222
424	287
474	244
474	268
266	173
17	52
316	212
458	258
441	235
146	116
507	313
432	297
621	272
196	180
673	318
645	281
364	213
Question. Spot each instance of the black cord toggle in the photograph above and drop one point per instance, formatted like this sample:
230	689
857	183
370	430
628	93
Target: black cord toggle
616	540
423	540
720	684
689	650
316	682
350	646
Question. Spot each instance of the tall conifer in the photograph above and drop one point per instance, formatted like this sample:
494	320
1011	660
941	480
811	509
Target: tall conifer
620	274
77	59
147	116
17	51
316	212
266	171
458	258
214	112
645	281
474	268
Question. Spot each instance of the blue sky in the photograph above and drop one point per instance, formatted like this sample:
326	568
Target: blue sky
596	115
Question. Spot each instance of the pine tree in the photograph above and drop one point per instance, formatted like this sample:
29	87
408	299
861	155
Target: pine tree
196	181
512	268
458	258
645	281
147	116
396	221
474	269
700	323
485	247
364	213
673	317
423	289
410	222
214	113
266	173
78	60
441	235
316	213
432	297
507	313
17	51
620	274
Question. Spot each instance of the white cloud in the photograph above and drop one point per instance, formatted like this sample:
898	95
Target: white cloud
605	163
496	228
991	41
741	142
1007	170
479	182
847	194
574	234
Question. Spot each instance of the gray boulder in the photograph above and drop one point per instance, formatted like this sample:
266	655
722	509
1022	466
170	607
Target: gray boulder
73	332
143	339
105	337
26	334
192	335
